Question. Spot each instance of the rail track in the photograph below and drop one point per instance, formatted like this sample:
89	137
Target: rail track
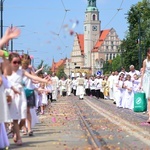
107	131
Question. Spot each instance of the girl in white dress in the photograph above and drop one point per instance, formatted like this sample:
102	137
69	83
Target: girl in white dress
28	83
5	67
119	93
136	83
43	97
128	93
18	107
4	142
145	80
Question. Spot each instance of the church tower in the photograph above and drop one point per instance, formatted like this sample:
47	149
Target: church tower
91	31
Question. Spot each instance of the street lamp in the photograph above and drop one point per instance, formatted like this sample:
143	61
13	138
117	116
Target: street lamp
139	41
1	9
12	39
139	37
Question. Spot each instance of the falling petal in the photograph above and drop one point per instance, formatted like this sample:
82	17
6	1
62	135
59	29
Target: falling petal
71	32
53	120
74	25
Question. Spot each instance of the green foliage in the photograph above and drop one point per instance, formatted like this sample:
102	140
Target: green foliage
45	69
137	39
112	65
107	67
60	72
116	63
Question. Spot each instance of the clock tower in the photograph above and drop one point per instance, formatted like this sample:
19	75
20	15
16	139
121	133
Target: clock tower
91	31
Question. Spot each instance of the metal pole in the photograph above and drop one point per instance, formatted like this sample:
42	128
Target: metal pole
1	9
11	41
139	40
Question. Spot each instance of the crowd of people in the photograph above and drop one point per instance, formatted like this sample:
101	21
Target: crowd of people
23	92
119	86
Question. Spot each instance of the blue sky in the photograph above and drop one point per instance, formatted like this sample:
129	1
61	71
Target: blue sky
47	23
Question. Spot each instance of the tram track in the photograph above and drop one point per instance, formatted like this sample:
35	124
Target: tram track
120	122
102	140
96	143
137	115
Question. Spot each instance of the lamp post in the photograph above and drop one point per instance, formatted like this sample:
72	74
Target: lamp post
1	9
139	40
12	39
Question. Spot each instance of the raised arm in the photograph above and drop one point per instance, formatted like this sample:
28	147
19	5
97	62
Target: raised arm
10	33
33	77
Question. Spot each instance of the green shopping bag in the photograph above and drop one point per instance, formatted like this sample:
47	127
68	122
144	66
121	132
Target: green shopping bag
140	102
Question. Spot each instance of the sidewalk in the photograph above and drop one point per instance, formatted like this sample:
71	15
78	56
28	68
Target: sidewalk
59	129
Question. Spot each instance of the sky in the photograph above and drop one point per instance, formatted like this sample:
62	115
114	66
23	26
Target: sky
46	24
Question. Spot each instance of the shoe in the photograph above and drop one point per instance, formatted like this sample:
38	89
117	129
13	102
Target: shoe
19	142
148	121
114	102
24	133
41	113
31	133
15	139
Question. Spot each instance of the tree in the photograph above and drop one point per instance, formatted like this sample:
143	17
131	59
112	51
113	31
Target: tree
116	63
107	67
137	39
46	68
60	72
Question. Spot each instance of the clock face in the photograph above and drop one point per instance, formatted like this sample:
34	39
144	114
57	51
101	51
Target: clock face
94	28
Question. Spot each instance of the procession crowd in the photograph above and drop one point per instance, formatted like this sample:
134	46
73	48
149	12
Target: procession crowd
21	92
24	94
118	86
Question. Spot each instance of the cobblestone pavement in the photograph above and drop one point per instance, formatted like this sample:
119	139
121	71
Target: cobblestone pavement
59	129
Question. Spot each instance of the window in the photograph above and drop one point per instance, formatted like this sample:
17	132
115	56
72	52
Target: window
94	17
94	28
110	56
106	57
114	56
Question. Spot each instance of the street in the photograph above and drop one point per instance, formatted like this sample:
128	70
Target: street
62	127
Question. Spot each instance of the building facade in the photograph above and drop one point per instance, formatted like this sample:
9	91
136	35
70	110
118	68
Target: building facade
94	47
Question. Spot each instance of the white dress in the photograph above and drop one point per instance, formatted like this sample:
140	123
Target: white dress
43	98
18	107
128	98
4	111
54	87
4	142
146	80
119	94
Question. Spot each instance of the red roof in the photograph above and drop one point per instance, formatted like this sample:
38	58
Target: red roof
56	65
80	38
101	39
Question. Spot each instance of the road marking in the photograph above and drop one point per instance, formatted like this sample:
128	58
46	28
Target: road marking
128	127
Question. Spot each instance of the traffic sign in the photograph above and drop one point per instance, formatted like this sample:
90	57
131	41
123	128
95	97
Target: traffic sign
98	73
